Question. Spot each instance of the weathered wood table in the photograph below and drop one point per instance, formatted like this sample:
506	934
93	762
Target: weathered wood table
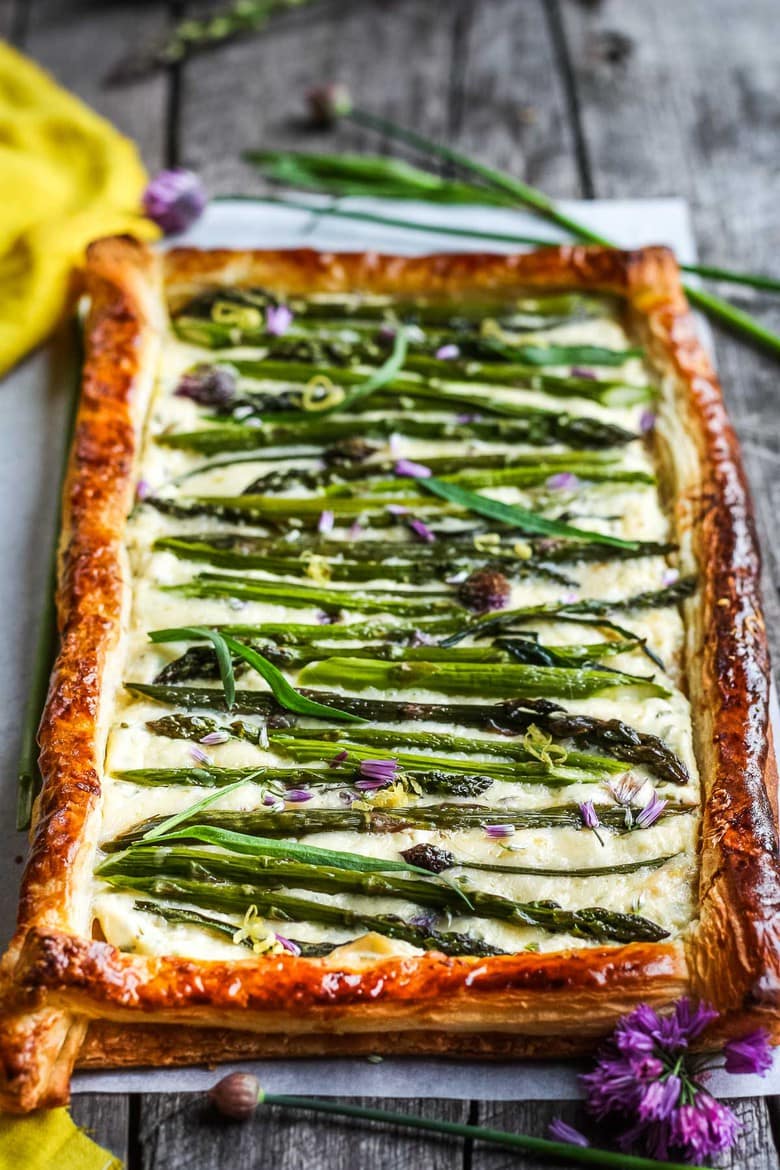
583	97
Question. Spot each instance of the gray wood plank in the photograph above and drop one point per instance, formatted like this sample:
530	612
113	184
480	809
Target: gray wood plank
513	109
182	1130
396	57
79	40
105	1118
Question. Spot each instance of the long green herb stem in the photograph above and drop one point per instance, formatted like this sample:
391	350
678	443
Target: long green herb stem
584	1155
725	313
339	211
449	817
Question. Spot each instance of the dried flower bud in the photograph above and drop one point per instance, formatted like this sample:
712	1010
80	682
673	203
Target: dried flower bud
328	103
484	589
174	200
208	385
236	1095
430	857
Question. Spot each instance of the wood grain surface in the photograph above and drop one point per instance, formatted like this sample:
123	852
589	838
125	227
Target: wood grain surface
583	97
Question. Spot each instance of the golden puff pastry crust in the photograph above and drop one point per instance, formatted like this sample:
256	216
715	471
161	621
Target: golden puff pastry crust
64	990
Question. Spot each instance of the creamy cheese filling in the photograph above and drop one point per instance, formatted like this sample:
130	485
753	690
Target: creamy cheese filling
644	873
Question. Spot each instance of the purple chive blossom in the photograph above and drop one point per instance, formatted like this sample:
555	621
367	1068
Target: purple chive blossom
297	795
750	1055
421	531
326	521
583	372
174	199
386	332
288	944
376	774
209	385
397	510
590	818
496	832
273	802
651	812
339	758
646	421
704	1128
215	737
632	1086
561	1131
199	756
447	353
670	577
562	481
660	1099
324	619
570	596
394	444
355	530
411	469
465	419
278	319
143	489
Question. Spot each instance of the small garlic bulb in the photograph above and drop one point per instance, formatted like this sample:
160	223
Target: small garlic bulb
236	1095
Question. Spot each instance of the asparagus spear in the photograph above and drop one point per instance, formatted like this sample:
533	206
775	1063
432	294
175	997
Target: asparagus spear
242	550
199	662
181	916
449	943
441	379
258	873
609	735
437	860
415	570
310	596
536	427
542	311
443	817
287	907
500	681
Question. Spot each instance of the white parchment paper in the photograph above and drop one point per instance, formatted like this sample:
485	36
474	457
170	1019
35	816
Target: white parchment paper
33	408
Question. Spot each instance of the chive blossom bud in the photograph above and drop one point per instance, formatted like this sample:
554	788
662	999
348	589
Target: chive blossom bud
174	199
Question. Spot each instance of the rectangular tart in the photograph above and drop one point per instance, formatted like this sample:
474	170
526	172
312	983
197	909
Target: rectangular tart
423	593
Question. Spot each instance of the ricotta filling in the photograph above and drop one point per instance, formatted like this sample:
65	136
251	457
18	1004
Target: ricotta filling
663	893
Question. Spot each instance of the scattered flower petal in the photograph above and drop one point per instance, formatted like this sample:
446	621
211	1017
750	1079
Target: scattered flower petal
561	1131
288	944
752	1054
376	773
563	481
199	756
583	372
297	795
498	831
143	489
215	737
447	353
422	531
646	421
397	510
411	469
355	530
278	319
651	812
174	199
670	577
339	758
326	521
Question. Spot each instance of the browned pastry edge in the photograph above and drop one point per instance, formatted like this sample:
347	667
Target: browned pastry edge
521	1003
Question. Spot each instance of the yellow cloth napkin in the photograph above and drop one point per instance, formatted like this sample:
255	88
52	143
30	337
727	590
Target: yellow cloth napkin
50	1141
67	176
